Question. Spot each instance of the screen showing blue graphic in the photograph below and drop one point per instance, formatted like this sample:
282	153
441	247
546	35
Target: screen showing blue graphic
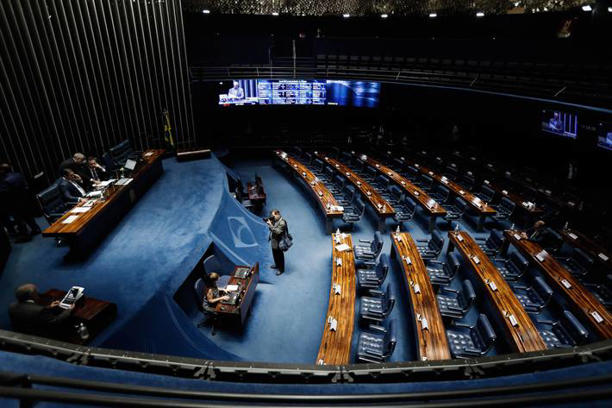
560	123
300	92
604	135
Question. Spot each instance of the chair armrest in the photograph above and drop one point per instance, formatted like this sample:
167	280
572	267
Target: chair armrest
377	328
376	293
365	241
436	261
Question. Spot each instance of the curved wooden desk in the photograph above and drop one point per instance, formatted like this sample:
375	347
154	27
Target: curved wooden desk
326	200
382	208
522	335
581	300
427	321
335	348
418	194
480	207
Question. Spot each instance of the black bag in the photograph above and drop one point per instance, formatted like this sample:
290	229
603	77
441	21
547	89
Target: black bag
286	241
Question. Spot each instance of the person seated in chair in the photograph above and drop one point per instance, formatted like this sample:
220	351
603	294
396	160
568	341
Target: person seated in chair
213	293
29	316
71	187
535	233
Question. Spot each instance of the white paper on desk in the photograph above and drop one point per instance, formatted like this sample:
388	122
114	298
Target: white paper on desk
147	154
106	183
603	256
342	247
80	210
572	235
94	194
231	288
70	219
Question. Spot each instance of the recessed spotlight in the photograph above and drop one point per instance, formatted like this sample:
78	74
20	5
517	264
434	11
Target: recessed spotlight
587	7
206	11
346	15
609	9
480	14
433	15
384	15
275	13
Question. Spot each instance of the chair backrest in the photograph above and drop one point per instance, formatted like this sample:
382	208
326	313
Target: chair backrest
542	288
469	294
582	258
307	158
437	241
428	180
349	191
485	330
339	180
359	206
382	267
495	240
396	193
370	171
453	263
413	172
388	301
410	204
519	261
578	332
507	204
382	180
51	201
377	243
198	291
211	264
390	339
461	205
487	192
318	164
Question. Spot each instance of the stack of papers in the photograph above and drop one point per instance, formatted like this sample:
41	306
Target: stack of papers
80	210
342	247
70	219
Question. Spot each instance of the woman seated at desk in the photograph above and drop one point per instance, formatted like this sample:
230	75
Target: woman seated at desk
212	291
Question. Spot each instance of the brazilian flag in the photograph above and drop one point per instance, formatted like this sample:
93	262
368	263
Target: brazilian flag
168	130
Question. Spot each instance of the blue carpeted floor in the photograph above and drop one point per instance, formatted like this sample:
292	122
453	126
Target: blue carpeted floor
149	254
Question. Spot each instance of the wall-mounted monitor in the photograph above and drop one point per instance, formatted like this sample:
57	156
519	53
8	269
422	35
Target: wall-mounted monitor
560	123
299	92
604	135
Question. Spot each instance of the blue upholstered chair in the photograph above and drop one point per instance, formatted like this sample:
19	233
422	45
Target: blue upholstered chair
467	341
373	276
565	332
377	344
431	248
512	268
455	303
211	264
441	272
535	297
368	250
493	243
376	308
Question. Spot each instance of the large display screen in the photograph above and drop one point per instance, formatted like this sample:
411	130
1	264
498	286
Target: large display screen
604	135
299	92
560	123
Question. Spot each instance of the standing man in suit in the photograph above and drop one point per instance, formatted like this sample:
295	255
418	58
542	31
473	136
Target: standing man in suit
16	202
29	316
278	228
71	187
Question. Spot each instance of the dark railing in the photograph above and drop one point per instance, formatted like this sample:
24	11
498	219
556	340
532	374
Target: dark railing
447	370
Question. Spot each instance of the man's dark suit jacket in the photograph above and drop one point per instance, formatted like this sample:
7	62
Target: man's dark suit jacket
70	194
36	319
80	169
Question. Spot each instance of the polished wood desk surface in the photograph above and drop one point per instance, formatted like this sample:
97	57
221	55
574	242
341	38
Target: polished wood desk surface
476	203
94	313
579	240
517	199
335	348
429	327
381	206
58	228
418	194
581	298
325	198
522	335
246	285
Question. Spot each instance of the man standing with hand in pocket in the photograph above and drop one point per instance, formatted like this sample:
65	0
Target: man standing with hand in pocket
278	228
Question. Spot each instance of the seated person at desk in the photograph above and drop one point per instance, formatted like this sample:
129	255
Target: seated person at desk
212	291
28	316
71	187
78	164
95	171
535	233
236	92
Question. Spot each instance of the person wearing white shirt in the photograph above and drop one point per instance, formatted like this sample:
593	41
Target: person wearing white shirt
236	92
71	187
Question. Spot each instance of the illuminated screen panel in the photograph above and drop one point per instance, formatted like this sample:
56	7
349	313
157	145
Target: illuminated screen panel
300	92
560	123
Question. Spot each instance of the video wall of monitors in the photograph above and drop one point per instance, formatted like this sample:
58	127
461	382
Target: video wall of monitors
300	92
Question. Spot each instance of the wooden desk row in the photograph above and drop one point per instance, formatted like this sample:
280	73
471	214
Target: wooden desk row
427	321
91	226
480	207
522	335
382	208
581	300
579	240
326	200
335	348
423	199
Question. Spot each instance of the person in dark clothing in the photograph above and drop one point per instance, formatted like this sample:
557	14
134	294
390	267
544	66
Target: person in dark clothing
78	164
29	316
96	172
71	188
278	228
535	233
16	203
